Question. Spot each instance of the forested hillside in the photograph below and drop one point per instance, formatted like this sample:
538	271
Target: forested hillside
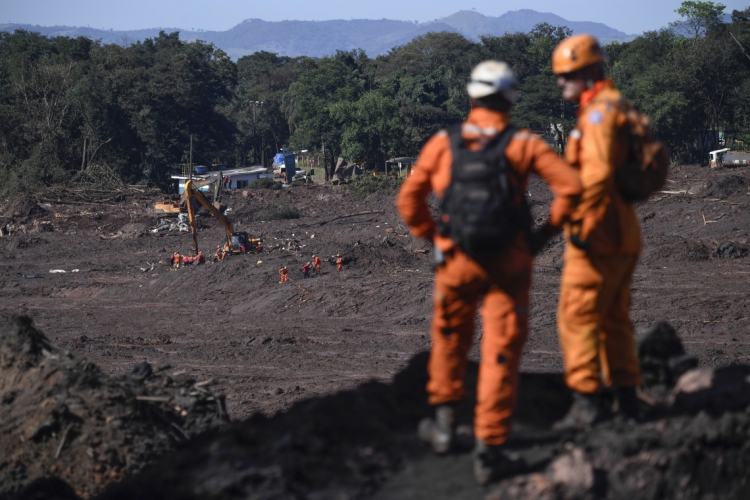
69	103
323	38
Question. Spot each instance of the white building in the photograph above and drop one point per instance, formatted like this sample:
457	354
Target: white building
240	177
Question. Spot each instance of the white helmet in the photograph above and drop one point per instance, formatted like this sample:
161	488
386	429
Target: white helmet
492	77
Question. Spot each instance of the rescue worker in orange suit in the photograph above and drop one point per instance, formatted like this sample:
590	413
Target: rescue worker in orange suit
316	263
283	274
502	280
604	241
339	262
200	258
176	260
219	253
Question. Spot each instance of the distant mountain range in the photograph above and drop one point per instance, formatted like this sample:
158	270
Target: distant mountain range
320	38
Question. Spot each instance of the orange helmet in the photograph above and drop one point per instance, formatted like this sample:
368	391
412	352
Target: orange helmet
576	52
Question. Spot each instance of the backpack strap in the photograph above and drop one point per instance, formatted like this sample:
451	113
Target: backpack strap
498	142
455	138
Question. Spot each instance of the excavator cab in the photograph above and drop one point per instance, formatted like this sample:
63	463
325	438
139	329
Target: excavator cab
237	240
242	238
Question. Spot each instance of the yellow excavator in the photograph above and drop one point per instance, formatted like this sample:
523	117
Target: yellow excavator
234	239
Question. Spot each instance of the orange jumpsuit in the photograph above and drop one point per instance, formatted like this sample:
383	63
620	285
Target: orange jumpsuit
316	263
283	275
340	263
177	259
596	334
503	280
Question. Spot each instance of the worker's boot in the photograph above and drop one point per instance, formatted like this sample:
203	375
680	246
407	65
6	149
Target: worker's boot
439	432
585	412
627	402
492	463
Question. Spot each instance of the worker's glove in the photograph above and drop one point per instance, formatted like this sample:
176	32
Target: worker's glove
575	235
576	241
539	238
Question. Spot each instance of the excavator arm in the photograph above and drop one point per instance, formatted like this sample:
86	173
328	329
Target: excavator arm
192	192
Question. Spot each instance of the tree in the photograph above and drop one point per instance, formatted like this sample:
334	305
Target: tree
539	101
371	128
699	16
307	104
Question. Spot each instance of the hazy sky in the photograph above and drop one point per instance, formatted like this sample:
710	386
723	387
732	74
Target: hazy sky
630	16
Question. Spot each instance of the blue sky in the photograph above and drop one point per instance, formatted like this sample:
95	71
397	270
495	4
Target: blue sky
631	16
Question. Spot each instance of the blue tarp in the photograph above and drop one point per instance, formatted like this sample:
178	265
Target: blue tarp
279	158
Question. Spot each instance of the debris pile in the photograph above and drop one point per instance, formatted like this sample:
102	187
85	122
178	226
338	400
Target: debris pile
63	417
170	225
729	250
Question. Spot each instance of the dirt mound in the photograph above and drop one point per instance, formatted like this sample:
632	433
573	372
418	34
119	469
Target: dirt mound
24	207
661	247
341	446
725	186
350	444
63	417
729	250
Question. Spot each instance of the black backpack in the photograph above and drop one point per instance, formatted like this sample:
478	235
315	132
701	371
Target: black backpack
483	209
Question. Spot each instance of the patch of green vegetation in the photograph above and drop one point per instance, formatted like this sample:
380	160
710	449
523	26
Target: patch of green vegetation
277	212
367	184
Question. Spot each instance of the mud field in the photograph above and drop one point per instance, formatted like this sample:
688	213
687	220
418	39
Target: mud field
267	346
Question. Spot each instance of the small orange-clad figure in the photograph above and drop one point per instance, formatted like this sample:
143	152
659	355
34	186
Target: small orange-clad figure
220	253
339	262
283	275
316	263
200	259
176	259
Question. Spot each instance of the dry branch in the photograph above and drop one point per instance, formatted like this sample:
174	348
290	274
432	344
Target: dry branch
368	212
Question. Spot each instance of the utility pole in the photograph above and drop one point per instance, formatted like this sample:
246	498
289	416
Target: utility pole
323	151
83	157
254	105
190	164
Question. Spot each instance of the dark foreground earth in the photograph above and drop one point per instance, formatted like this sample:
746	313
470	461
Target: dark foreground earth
283	353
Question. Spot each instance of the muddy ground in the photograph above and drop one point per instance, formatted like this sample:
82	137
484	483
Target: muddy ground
271	345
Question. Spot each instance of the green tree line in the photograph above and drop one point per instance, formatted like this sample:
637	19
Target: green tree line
70	103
